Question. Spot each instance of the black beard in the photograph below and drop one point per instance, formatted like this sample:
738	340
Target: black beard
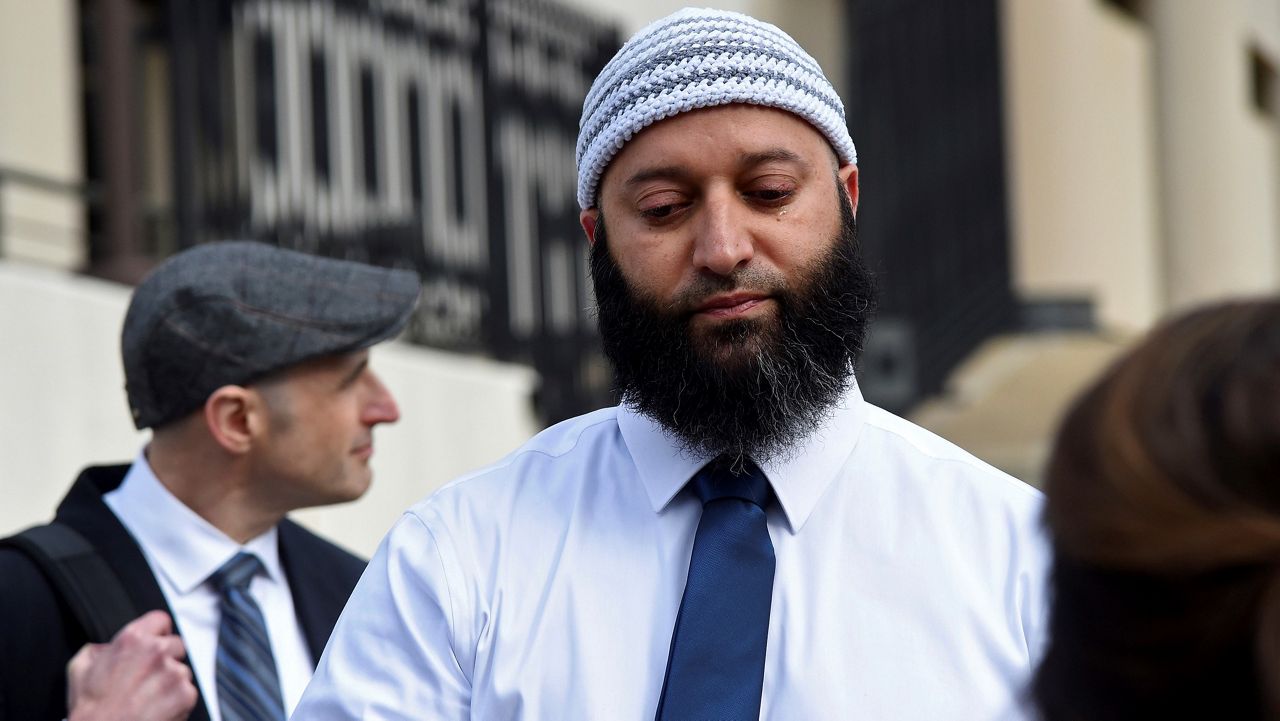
750	388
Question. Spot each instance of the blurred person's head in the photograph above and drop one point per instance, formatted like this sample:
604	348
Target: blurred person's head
719	190
1164	513
250	364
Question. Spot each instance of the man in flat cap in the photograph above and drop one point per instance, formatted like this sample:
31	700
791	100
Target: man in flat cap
744	537
250	365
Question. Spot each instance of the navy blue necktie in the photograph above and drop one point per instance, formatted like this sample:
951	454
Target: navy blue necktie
716	665
248	686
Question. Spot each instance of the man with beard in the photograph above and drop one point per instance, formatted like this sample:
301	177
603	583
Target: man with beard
743	537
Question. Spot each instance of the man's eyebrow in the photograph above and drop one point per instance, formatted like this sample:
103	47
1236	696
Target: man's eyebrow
664	171
772	155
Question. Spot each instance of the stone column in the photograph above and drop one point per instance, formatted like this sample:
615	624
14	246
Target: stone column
1217	154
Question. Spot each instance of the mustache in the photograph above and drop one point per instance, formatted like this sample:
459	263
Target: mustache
749	280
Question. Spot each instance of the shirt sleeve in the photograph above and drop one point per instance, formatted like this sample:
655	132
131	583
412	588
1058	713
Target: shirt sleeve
391	655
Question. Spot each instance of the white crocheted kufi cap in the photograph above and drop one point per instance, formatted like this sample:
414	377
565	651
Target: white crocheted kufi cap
700	58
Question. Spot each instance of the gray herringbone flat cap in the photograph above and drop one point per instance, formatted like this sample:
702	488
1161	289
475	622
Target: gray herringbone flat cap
232	312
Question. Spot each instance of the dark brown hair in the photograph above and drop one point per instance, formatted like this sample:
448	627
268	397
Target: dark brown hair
1164	514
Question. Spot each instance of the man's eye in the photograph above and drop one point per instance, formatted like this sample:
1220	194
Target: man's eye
658	212
771	195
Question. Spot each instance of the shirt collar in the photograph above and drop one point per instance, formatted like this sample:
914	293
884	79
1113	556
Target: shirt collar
799	479
184	547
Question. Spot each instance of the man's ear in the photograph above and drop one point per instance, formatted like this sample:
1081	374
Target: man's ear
232	415
589	219
849	177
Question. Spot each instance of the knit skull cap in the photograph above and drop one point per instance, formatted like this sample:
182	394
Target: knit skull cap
701	58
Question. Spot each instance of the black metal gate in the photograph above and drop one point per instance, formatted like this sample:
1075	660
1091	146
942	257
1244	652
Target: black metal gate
925	110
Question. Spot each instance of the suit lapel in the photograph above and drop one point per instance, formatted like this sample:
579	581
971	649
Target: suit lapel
316	608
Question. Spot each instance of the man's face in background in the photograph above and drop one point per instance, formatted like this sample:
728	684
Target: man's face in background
317	436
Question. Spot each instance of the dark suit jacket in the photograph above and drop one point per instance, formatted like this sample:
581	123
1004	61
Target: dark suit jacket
39	634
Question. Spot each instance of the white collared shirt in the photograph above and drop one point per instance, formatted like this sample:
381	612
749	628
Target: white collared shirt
183	550
909	582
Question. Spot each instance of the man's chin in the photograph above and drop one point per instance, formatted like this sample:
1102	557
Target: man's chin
731	358
733	344
354	484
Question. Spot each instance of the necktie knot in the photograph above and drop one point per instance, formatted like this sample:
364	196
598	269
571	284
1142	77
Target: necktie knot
236	573
719	479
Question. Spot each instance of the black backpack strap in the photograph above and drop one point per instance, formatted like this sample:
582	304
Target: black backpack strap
81	576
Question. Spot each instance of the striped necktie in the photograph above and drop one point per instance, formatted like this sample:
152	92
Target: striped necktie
248	687
716	665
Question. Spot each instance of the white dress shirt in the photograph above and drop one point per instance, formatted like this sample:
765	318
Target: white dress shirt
183	550
909	582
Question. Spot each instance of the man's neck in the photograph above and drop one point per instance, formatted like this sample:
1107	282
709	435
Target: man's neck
215	488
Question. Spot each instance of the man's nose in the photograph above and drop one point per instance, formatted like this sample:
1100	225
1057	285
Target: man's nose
724	241
381	406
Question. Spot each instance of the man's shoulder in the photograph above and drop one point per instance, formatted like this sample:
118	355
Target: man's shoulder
937	459
23	576
564	439
559	446
985	523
